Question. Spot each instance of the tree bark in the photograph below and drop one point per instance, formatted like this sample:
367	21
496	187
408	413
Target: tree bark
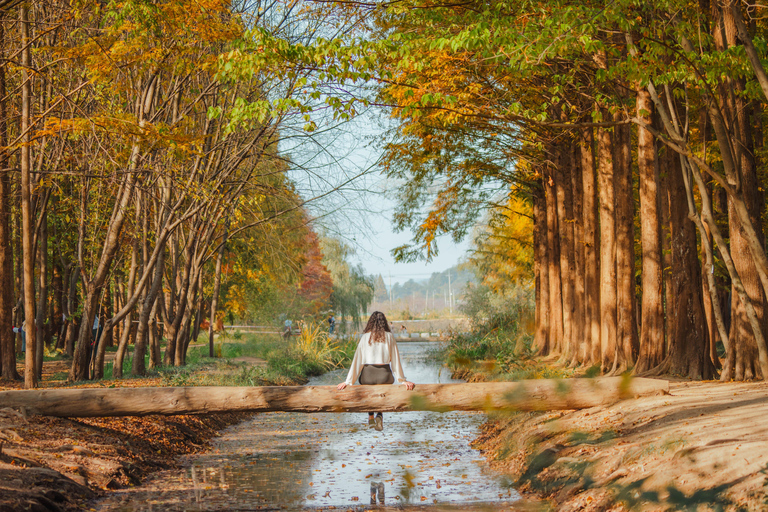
27	226
553	251
652	310
742	337
688	354
626	335
541	270
125	335
217	287
608	290
7	300
565	229
579	295
591	244
530	395
710	292
138	367
93	286
42	292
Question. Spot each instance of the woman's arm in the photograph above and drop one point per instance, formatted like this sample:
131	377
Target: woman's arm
355	368
394	361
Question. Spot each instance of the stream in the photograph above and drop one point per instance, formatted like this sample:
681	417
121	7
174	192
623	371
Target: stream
298	461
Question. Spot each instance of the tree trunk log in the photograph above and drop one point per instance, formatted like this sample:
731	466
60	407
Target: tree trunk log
531	395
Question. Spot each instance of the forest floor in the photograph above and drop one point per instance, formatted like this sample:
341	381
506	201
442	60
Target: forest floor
58	464
703	445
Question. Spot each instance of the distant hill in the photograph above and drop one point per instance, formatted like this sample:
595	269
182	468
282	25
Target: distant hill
423	295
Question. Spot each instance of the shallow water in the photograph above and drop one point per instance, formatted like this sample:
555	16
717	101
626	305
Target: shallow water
295	461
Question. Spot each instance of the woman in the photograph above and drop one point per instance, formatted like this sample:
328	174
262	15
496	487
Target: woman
376	361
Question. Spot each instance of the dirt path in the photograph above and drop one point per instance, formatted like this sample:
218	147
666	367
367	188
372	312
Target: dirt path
58	463
703	443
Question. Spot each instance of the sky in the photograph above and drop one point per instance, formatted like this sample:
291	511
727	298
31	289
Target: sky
374	252
354	202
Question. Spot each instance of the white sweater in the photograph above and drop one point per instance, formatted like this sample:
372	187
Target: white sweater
376	353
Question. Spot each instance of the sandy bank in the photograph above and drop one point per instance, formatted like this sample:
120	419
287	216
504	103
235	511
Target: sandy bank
704	443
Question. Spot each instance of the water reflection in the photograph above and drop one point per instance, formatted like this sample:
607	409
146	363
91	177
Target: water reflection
294	461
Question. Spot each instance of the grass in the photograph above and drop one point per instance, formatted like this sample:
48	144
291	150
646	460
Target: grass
499	349
288	362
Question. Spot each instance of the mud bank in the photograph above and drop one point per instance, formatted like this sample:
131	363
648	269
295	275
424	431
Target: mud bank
704	444
57	464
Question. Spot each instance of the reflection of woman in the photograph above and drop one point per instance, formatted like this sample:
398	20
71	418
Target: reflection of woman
376	361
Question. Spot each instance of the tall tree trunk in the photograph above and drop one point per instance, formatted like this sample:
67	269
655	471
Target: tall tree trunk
652	308
27	226
56	309
579	320
125	335
608	291
742	337
541	274
591	244
199	304
710	293
553	251
93	287
182	343
138	366
565	229
217	287
688	343
71	331
626	335
155	353
7	301
42	291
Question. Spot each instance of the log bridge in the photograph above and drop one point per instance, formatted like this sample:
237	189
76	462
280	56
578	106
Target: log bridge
530	395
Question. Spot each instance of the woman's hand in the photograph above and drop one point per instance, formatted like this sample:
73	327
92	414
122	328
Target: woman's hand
341	386
409	385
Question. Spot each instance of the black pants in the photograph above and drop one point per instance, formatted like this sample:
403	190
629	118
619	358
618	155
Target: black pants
374	374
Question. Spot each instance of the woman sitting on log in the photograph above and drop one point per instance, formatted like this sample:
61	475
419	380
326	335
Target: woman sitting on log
376	361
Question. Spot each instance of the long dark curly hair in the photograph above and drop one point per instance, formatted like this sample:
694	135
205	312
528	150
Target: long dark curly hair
377	325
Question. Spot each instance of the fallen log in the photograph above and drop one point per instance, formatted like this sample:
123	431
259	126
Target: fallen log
531	395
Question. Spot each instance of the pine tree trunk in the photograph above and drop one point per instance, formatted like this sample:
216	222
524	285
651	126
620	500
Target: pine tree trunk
688	354
565	230
626	336
608	290
579	320
541	268
652	311
742	337
591	246
7	301
553	252
27	227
